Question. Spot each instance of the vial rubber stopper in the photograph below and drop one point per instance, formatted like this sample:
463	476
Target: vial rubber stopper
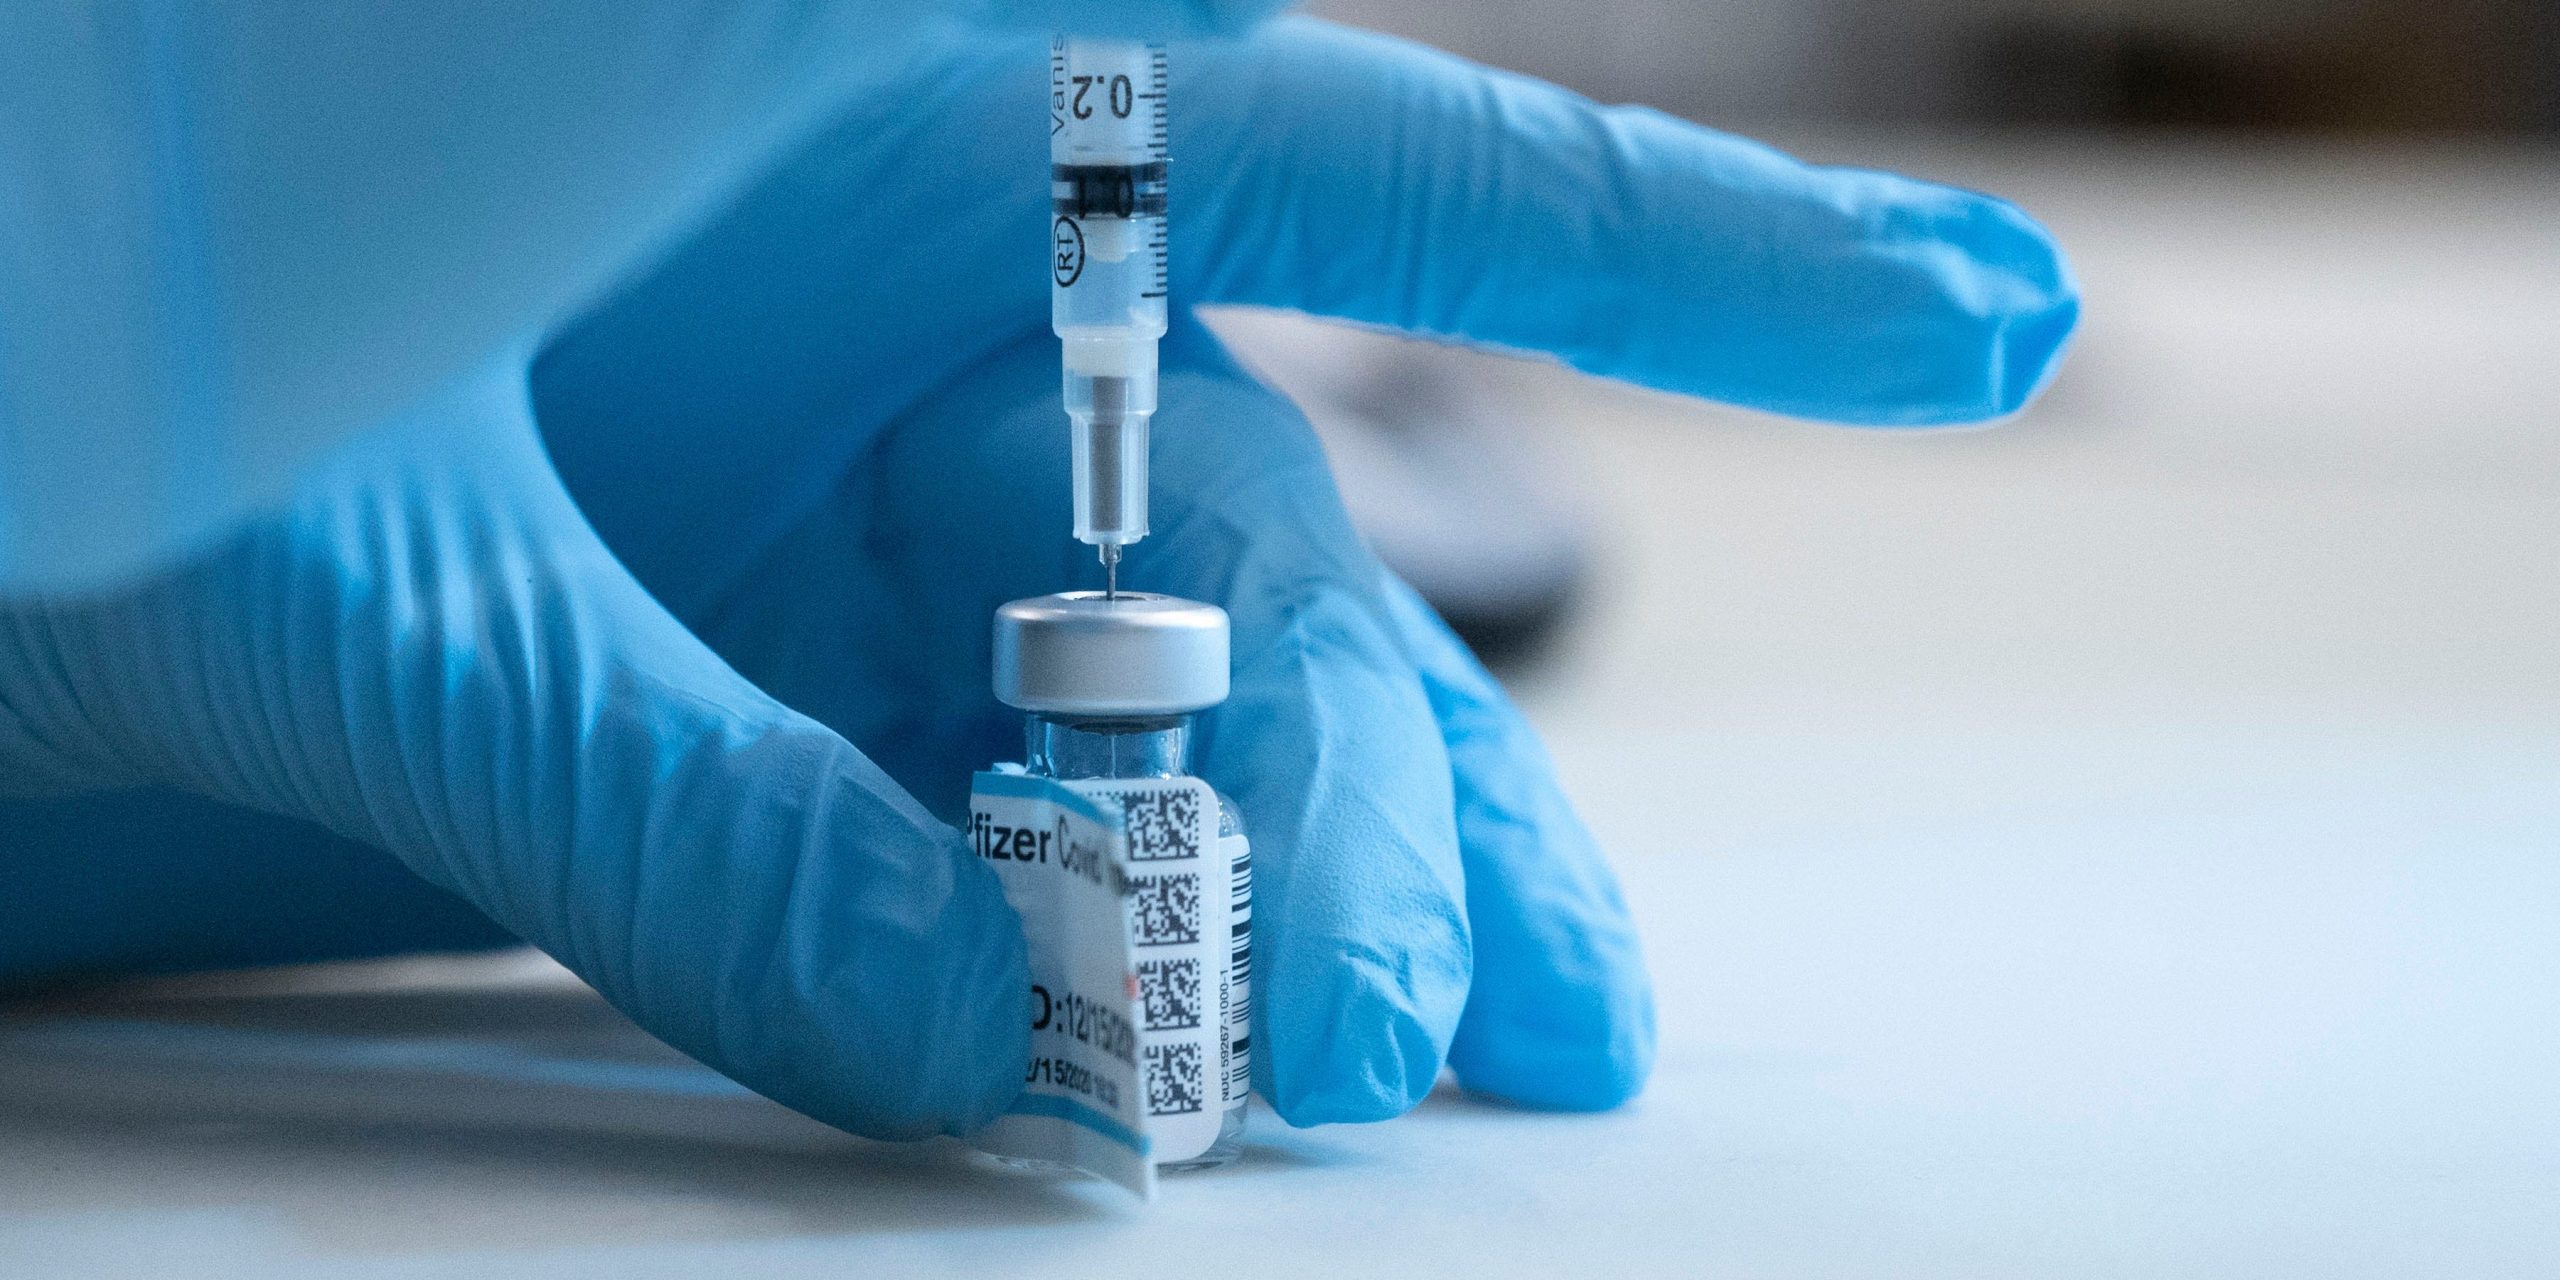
1136	653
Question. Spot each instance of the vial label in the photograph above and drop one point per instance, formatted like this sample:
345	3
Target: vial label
1060	857
1190	928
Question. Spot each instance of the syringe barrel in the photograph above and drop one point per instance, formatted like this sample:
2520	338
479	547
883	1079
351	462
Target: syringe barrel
1107	158
1107	155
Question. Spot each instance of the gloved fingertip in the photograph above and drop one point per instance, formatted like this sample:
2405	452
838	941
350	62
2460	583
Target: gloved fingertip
2030	352
1591	1058
2012	300
892	1002
962	1068
990	1036
1376	1059
1391	1073
1950	307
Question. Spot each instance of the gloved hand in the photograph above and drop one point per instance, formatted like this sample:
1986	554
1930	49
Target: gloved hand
658	699
233	235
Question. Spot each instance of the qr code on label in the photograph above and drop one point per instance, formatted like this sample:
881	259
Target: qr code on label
1163	825
1171	990
1173	1079
1164	910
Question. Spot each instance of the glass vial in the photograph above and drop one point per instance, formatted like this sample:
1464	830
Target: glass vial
1111	687
1074	748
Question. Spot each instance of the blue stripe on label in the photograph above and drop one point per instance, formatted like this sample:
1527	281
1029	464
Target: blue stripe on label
1078	1114
1022	786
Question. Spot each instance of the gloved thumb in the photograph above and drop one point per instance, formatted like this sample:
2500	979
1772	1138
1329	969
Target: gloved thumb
429	650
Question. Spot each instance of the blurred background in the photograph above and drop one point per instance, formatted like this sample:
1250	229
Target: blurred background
2338	66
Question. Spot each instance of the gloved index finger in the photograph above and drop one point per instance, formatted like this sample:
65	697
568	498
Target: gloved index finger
1353	175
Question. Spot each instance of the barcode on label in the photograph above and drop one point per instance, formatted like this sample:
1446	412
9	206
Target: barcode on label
1163	825
1165	909
1169	990
1240	970
1173	1079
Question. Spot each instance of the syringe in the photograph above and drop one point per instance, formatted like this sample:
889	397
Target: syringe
1107	274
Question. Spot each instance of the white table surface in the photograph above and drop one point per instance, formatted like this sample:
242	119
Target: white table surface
2125	844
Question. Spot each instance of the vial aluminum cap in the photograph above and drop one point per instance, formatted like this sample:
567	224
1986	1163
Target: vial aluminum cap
1133	654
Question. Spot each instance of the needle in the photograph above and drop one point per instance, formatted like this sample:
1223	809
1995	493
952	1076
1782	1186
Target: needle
1110	570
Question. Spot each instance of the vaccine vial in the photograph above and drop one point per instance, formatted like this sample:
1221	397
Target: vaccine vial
1110	686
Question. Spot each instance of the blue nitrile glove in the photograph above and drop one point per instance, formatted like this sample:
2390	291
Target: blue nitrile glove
234	235
805	459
